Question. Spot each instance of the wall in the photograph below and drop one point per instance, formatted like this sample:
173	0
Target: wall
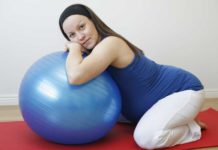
182	33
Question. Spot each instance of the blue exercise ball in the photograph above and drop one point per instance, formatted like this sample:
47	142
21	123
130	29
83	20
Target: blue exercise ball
65	113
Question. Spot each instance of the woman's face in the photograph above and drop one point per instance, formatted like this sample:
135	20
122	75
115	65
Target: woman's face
80	29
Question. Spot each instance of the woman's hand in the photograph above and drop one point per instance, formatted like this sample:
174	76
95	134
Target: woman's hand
70	46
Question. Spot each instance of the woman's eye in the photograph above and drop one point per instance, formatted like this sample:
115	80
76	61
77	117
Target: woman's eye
82	26
71	35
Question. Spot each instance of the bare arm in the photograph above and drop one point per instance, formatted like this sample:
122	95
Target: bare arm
73	60
81	70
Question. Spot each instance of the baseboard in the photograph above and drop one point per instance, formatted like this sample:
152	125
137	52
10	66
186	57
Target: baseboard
8	100
13	99
211	93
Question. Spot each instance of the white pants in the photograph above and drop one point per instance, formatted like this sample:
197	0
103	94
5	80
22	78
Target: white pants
170	121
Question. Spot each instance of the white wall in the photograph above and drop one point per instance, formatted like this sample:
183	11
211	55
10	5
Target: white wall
176	32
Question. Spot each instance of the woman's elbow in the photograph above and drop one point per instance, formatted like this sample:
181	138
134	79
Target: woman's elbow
75	80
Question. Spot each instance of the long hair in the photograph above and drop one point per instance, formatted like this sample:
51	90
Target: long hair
102	29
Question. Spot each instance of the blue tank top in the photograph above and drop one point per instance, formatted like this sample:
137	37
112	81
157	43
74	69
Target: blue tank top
143	82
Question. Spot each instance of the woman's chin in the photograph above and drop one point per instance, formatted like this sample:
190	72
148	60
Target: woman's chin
90	47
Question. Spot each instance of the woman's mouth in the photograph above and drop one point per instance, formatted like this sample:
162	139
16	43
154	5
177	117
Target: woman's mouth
84	43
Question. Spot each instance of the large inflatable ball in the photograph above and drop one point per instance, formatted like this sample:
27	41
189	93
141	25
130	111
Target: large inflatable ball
65	113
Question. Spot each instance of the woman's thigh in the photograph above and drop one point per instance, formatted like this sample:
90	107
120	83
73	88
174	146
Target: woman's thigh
174	110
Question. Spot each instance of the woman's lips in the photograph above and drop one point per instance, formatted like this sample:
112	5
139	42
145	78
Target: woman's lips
84	43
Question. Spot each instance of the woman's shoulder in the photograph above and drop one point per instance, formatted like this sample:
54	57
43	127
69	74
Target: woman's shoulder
113	40
124	54
109	44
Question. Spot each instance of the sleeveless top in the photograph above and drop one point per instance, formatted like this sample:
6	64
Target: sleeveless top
144	82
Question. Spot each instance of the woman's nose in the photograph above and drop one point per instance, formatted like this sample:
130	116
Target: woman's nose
81	36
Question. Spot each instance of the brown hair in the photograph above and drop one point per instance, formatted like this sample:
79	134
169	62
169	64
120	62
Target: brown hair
101	27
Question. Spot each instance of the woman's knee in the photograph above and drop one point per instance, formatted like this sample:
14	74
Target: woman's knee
166	137
158	139
142	139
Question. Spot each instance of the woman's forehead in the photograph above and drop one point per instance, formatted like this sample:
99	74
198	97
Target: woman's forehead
74	20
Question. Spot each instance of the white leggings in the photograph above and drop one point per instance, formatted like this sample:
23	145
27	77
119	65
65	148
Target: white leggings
170	121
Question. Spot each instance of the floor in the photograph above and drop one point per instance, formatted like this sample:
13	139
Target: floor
12	113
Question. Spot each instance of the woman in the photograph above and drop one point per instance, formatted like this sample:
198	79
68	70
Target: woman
167	99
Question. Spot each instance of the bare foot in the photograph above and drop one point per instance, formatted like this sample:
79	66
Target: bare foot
201	124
